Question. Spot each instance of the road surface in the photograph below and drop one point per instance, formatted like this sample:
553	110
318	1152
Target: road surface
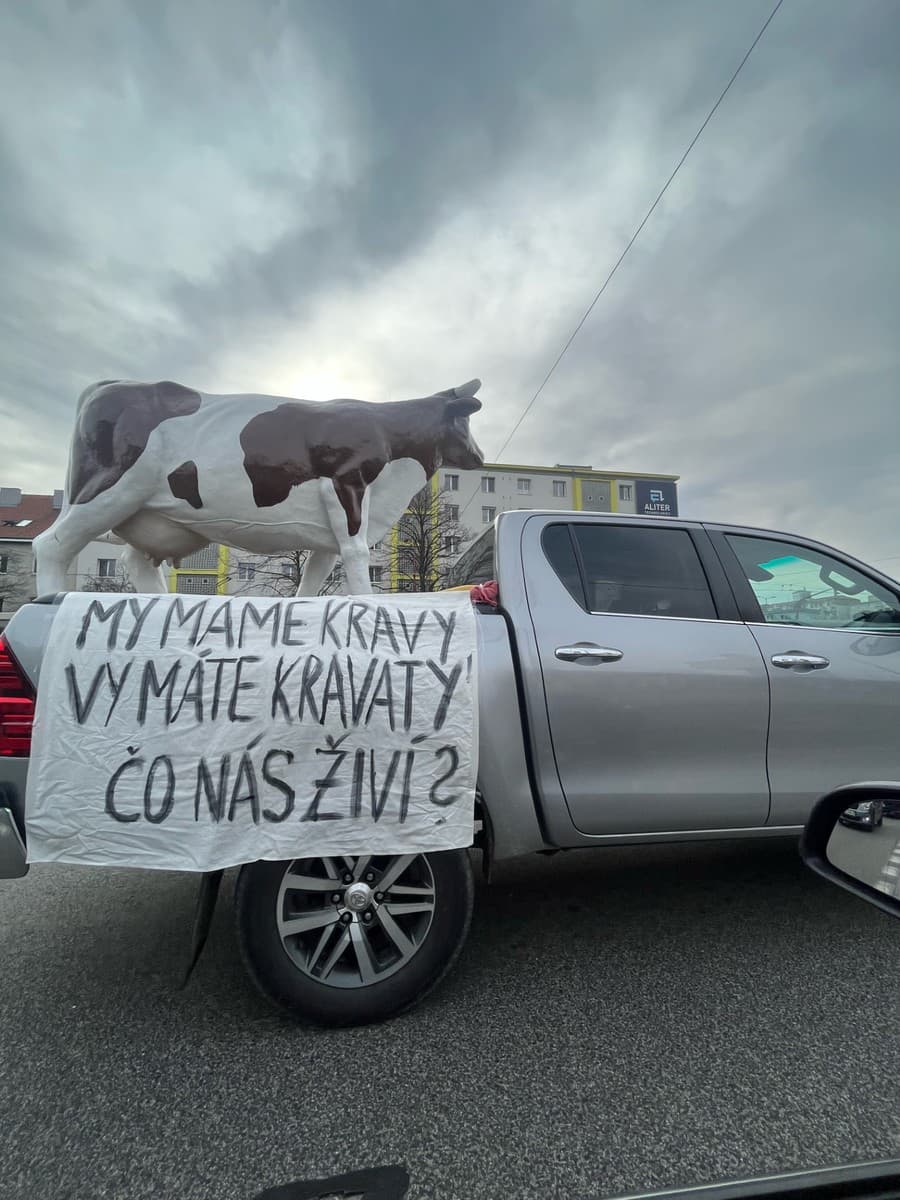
619	1020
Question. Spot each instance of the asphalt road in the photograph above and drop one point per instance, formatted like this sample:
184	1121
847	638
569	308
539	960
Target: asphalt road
619	1020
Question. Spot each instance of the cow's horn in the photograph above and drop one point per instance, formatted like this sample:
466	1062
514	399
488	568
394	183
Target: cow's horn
468	389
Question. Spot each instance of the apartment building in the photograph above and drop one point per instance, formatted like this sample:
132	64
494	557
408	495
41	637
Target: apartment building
23	515
466	501
498	487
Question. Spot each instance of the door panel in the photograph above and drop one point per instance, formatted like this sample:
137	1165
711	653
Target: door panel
833	725
835	721
662	726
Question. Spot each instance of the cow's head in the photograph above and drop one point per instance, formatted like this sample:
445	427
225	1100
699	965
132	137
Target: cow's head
456	445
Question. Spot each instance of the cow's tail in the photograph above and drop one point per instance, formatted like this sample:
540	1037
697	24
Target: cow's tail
89	391
79	405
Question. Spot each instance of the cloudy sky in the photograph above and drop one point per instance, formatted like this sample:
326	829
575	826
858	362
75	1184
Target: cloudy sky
383	199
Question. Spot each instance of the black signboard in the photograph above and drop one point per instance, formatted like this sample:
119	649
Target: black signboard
656	498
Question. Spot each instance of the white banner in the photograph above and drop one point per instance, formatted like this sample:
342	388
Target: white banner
192	733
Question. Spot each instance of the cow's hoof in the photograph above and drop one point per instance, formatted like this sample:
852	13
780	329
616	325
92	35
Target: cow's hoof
351	940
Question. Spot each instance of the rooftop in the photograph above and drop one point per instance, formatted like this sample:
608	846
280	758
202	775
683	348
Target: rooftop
585	472
23	515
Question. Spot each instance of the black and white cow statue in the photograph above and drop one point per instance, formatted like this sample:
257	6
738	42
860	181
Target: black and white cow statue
168	470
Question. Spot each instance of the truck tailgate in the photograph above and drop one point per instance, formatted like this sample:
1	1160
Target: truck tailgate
21	650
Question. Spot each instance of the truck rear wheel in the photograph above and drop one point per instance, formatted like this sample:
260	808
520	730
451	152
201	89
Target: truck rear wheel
349	940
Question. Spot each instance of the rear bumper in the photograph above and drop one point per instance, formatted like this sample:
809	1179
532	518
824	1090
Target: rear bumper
13	772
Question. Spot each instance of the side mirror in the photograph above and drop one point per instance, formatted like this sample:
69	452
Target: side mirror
852	838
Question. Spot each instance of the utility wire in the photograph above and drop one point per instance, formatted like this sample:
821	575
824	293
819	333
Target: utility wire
636	233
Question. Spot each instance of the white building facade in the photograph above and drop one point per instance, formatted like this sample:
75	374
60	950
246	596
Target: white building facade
470	500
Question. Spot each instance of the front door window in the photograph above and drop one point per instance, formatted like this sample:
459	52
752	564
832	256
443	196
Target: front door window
796	585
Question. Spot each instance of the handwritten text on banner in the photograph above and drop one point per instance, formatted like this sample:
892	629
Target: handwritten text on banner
190	733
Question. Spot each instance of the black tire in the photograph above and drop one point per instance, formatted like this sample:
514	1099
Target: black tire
283	983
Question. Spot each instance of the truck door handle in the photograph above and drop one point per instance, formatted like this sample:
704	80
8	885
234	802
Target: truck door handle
588	651
797	661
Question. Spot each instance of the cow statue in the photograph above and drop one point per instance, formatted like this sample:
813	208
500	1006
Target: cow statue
168	470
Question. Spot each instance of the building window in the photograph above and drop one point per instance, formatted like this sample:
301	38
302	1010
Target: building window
524	486
195	585
487	483
4	563
488	513
106	568
376	574
287	570
451	544
451	483
452	512
626	491
559	488
246	572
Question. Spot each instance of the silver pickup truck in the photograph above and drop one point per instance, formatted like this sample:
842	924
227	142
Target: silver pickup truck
642	680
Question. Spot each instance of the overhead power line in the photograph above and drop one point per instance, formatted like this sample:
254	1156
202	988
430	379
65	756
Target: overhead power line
636	234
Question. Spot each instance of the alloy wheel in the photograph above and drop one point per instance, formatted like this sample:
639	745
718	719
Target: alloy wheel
349	922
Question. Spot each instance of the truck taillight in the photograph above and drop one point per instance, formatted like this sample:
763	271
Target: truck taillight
16	707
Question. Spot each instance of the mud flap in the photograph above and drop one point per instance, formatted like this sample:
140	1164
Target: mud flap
206	905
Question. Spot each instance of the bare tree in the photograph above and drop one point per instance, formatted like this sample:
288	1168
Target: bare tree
16	578
108	583
271	574
278	574
428	543
429	538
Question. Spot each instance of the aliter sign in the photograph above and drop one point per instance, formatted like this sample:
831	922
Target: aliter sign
656	498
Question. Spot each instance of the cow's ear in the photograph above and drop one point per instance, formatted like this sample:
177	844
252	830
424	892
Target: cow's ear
462	406
467	389
462	401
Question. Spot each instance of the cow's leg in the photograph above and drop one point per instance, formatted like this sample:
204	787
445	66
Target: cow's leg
51	563
316	570
354	547
143	574
55	549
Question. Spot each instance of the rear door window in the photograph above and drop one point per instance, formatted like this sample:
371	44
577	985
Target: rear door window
560	551
635	570
475	565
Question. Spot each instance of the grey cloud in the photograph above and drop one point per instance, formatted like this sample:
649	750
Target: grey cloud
752	350
278	156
